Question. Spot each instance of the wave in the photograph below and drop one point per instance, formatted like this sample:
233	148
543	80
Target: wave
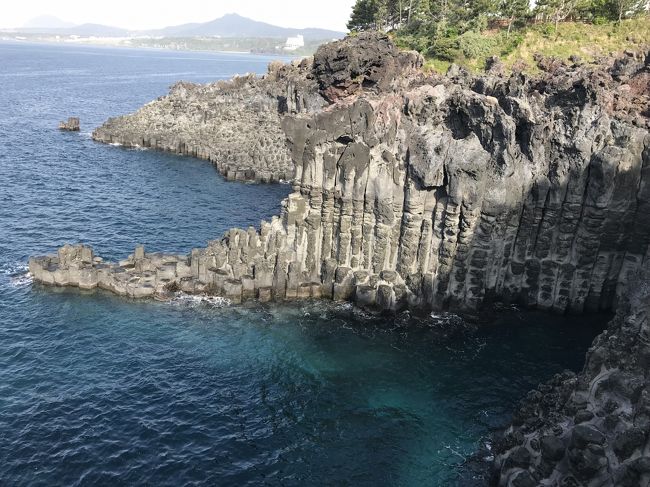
18	274
13	269
22	280
445	318
191	300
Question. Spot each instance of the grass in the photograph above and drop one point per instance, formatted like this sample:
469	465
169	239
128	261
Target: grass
588	41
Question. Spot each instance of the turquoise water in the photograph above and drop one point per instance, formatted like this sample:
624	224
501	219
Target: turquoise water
98	390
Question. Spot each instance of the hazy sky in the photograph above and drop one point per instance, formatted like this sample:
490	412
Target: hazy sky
148	14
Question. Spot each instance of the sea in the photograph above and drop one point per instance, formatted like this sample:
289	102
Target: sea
100	390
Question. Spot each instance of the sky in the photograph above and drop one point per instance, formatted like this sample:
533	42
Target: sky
152	14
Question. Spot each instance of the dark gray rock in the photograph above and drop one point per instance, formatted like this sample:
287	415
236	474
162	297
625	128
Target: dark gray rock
584	435
552	448
367	61
626	442
583	416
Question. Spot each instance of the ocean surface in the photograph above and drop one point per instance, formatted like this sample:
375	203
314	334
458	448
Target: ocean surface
100	390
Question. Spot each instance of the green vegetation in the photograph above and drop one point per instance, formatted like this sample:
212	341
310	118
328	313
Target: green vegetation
468	32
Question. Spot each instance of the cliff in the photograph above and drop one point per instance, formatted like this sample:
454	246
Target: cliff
428	192
411	190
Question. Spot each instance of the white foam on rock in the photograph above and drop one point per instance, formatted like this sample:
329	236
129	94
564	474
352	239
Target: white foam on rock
190	300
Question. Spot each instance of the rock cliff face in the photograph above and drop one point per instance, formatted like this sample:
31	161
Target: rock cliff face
428	192
593	428
416	191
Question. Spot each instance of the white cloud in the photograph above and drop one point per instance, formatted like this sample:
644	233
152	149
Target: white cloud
150	14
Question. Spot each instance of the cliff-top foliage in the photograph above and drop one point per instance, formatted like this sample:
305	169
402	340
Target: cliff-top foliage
467	32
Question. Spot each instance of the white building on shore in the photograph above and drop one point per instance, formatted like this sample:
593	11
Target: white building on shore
294	43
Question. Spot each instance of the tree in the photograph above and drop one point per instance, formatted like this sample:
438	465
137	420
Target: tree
623	9
363	16
556	10
388	14
614	10
440	9
513	10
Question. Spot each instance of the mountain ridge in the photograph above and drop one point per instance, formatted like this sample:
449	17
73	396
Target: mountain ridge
229	25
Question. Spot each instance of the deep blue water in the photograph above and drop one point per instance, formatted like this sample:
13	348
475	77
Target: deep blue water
99	390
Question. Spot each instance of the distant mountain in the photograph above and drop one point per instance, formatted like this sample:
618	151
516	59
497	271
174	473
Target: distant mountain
233	25
47	22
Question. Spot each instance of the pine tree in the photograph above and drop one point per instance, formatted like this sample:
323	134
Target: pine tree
419	11
363	16
614	10
387	15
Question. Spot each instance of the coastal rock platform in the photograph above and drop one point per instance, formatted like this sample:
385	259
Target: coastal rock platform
234	124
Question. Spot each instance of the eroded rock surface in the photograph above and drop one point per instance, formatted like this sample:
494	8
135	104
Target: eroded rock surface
72	125
368	61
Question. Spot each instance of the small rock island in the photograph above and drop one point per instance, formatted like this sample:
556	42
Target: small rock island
72	125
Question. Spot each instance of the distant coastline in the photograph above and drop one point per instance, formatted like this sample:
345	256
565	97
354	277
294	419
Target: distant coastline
230	33
38	40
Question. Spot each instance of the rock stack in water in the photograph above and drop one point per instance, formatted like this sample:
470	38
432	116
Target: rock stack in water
72	125
429	192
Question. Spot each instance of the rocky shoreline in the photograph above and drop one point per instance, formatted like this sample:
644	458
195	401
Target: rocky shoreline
429	192
593	428
234	124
